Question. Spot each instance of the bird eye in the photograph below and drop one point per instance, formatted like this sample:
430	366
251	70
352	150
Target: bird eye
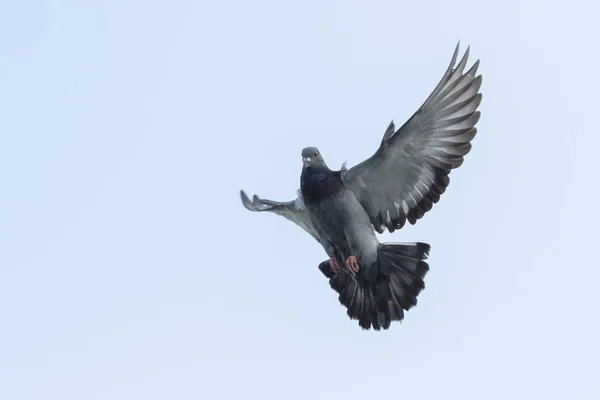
316	154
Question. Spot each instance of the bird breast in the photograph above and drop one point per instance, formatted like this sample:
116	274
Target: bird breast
316	186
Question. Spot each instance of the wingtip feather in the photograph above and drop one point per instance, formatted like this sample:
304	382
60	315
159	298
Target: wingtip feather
246	201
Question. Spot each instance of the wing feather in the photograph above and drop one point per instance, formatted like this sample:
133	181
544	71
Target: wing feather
293	210
409	172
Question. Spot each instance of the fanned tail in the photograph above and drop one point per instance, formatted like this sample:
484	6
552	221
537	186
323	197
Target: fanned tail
376	299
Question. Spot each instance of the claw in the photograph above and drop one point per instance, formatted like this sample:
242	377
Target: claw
336	265
352	264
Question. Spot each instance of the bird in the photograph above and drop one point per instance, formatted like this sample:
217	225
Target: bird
345	209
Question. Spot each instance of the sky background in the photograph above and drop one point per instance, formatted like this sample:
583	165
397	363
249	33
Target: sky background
130	270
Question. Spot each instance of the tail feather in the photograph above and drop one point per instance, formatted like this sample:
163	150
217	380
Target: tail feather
348	293
403	295
396	311
384	288
417	250
377	299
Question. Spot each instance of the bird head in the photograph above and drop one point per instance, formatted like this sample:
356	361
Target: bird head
311	156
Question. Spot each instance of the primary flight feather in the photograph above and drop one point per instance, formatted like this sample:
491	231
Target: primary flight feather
408	173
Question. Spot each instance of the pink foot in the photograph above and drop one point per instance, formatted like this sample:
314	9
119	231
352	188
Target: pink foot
352	264
336	265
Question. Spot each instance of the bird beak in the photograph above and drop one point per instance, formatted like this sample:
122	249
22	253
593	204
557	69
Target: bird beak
306	160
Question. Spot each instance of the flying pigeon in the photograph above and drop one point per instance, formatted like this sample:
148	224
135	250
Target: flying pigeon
343	210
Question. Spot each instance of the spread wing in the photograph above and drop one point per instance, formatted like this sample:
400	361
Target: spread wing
409	172
292	210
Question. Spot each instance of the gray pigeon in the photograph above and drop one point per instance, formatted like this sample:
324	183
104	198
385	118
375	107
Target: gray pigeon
343	209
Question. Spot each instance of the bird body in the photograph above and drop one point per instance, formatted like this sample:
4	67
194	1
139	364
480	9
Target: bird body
341	222
343	210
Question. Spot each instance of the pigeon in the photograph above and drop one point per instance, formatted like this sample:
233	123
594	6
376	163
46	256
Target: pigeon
343	210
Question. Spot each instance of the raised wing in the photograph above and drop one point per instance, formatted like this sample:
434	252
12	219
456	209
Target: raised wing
292	210
409	172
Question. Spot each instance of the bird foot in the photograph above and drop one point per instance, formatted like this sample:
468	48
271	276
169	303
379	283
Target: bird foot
336	265
352	264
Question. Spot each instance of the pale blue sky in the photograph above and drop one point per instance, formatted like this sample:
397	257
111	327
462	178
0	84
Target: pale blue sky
130	270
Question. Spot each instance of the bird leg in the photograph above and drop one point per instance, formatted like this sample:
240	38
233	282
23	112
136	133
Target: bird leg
336	265
352	264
